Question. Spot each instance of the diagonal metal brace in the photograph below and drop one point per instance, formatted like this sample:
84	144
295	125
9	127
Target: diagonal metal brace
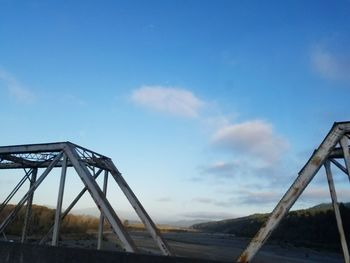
305	176
136	204
100	200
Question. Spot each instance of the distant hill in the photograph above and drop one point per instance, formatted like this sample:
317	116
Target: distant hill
134	219
313	227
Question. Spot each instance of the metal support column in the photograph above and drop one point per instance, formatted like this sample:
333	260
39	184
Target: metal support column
69	208
28	214
101	202
146	219
57	224
305	176
337	212
102	218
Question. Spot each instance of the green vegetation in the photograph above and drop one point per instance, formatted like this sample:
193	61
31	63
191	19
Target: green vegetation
42	219
314	227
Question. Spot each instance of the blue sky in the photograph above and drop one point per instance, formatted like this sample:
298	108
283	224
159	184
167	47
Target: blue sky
208	108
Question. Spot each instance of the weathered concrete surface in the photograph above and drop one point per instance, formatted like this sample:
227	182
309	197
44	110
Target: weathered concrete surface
25	253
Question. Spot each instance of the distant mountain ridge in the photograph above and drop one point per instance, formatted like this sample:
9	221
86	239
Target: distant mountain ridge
133	218
312	227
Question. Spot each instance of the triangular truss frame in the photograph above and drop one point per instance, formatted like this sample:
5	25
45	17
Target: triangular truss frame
334	146
88	165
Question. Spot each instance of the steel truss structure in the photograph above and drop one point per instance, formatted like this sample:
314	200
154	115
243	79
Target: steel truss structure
88	165
335	146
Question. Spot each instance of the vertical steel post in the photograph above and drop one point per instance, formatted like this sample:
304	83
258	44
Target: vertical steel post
139	209
28	214
102	218
336	211
57	224
69	208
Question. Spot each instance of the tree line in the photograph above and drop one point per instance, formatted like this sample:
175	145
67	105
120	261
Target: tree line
42	219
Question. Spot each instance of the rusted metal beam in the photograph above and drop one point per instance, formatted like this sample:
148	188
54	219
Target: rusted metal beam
336	211
305	176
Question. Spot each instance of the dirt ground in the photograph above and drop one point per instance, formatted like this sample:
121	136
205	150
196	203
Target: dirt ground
221	247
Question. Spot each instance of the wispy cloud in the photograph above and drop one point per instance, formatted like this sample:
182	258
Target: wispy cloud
170	100
243	141
214	202
164	199
256	198
255	138
222	168
331	64
16	89
313	194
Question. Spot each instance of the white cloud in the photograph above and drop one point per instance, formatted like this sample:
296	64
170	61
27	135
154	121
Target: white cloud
164	199
219	167
331	64
15	88
263	197
169	100
255	138
312	194
214	202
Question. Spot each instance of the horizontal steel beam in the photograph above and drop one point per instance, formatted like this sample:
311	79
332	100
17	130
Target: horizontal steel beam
45	147
15	159
33	148
45	164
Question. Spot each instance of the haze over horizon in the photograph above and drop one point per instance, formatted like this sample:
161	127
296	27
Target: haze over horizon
208	108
